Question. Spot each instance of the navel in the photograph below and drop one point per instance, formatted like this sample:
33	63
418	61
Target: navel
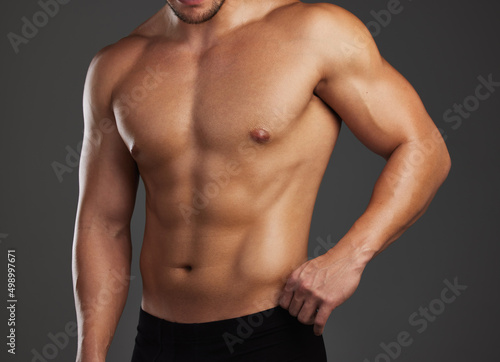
260	135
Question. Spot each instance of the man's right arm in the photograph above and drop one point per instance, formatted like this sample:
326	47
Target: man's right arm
102	246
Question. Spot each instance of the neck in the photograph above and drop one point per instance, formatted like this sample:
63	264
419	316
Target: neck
232	14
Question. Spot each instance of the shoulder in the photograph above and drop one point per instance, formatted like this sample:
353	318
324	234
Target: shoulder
333	34
126	49
110	64
113	58
325	13
321	19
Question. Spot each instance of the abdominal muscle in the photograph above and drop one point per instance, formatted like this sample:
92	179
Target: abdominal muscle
204	272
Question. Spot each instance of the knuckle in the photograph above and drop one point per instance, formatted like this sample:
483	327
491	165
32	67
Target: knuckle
307	283
302	289
316	294
305	287
330	301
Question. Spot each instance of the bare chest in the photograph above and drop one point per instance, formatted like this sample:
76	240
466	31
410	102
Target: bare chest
173	103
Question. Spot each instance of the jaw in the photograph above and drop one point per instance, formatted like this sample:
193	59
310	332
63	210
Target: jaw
195	11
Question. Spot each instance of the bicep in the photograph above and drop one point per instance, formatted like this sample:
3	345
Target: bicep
374	100
108	174
108	181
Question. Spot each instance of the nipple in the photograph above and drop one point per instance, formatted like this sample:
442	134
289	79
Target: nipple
260	135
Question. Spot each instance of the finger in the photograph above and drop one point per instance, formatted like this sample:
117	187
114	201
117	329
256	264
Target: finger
287	293
295	305
321	318
307	313
286	298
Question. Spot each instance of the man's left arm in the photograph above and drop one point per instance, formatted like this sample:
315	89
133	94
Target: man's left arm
385	113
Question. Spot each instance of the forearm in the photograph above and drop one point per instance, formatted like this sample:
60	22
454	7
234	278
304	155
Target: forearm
101	274
402	193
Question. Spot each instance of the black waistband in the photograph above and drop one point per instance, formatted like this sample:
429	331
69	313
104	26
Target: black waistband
258	322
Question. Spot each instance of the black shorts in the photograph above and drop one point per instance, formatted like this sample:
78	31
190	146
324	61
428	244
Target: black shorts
272	335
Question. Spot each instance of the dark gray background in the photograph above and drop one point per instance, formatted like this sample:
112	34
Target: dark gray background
441	47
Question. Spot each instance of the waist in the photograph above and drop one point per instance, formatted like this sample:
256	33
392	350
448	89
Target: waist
214	275
200	300
257	322
217	261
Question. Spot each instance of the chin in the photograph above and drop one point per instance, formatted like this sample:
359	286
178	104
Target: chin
195	11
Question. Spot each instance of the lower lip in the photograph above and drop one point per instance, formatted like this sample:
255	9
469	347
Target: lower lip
191	2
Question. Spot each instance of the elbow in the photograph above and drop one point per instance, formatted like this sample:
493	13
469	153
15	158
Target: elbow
444	164
447	165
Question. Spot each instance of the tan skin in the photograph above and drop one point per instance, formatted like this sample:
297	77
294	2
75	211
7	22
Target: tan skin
240	112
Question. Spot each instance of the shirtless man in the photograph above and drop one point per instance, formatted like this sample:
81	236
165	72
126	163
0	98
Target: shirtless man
229	111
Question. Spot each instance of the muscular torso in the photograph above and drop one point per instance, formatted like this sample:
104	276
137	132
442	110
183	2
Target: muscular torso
231	144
